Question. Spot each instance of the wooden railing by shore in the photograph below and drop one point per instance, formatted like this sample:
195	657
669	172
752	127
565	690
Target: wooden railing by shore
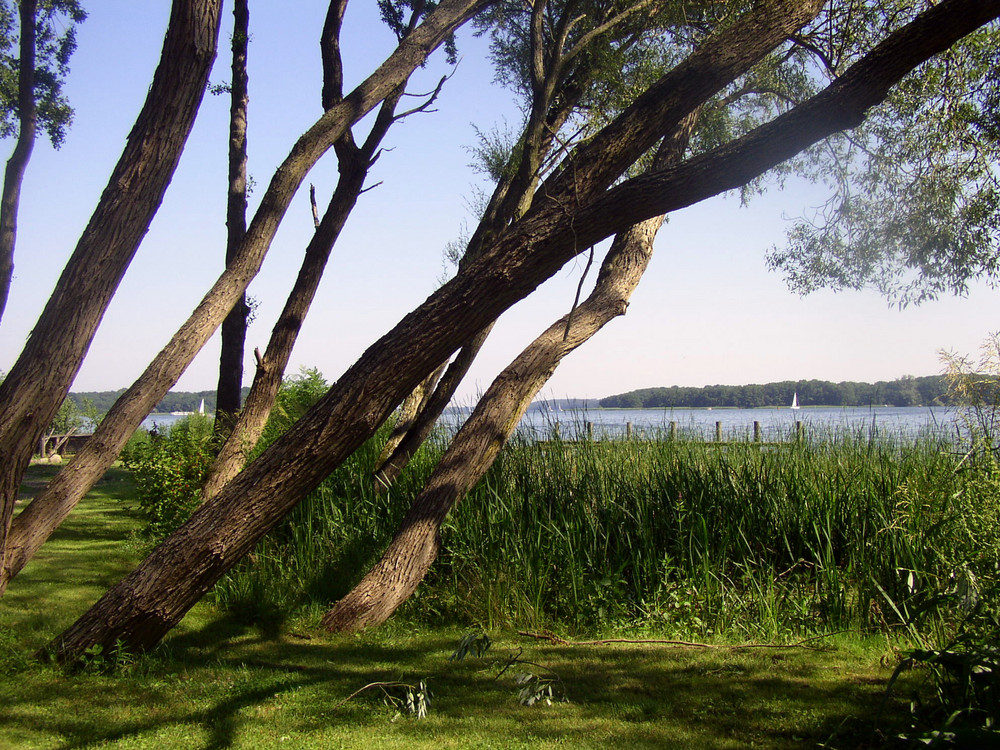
672	433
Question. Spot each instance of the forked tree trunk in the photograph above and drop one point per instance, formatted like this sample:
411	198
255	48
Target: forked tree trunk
234	327
27	116
271	367
405	417
39	380
48	510
416	545
139	610
354	163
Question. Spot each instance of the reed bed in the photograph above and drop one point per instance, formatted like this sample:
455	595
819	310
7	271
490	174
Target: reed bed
683	537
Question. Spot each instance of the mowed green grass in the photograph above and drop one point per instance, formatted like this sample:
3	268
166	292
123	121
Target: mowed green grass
220	683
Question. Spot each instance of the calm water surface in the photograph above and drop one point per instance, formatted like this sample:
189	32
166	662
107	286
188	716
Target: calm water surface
736	423
163	422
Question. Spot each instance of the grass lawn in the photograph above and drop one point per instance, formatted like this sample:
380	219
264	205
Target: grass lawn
219	683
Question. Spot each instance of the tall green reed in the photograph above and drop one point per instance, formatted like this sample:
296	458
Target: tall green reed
689	535
682	536
325	544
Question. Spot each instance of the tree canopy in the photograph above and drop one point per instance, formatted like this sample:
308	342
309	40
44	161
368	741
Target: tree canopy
915	204
55	42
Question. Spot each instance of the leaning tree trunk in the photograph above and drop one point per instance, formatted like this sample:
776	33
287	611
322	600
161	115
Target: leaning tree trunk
271	367
27	116
410	434
413	549
40	379
354	163
138	611
234	327
416	545
49	510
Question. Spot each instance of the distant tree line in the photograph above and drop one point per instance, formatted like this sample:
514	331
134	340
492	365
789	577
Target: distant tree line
172	401
931	390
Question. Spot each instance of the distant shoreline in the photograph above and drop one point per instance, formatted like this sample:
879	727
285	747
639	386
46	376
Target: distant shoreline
755	408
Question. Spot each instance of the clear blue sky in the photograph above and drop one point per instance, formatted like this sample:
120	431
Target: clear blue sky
708	311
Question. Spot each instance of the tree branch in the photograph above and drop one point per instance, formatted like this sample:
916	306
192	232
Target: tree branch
587	38
329	46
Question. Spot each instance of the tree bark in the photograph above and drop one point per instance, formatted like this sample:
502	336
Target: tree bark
271	367
398	452
40	379
394	578
144	606
234	327
27	116
411	408
17	393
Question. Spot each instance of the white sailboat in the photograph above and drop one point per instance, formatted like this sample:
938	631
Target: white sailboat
795	400
201	408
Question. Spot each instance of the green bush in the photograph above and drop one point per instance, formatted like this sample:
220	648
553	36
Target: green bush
953	611
296	396
168	469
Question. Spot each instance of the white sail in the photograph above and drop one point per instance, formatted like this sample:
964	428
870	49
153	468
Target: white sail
795	400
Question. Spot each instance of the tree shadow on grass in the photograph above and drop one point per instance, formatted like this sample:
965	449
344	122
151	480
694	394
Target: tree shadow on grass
220	720
247	686
245	670
232	638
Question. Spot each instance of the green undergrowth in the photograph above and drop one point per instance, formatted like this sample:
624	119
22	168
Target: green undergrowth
219	681
687	538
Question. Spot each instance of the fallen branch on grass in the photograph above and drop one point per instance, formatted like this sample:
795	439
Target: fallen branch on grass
416	699
553	638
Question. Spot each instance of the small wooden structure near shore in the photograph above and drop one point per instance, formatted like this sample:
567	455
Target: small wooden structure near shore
61	444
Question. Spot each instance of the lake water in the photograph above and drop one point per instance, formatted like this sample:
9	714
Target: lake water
163	422
776	424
